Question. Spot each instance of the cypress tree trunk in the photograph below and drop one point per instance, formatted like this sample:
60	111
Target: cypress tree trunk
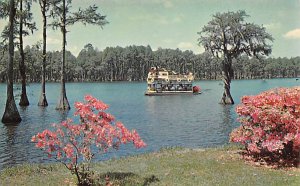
24	100
63	103
227	74
43	100
11	113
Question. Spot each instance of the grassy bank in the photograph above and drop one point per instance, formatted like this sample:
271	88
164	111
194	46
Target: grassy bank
216	166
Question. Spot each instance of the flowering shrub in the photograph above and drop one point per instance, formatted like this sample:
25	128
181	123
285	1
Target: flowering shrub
270	125
71	143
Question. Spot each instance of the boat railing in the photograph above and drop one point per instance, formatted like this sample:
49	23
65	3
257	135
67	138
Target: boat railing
173	77
180	76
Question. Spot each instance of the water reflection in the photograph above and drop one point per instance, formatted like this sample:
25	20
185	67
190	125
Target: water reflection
8	145
63	115
228	121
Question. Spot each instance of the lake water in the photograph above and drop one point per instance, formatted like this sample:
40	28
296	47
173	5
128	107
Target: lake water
191	121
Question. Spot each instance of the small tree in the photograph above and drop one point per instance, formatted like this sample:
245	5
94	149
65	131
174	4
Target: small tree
63	17
227	36
95	134
270	125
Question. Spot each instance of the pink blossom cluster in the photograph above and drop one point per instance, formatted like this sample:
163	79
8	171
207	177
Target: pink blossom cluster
95	134
270	121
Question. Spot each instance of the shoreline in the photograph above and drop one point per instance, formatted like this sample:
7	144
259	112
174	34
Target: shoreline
141	81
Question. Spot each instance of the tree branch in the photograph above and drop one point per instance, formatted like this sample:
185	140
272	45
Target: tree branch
87	16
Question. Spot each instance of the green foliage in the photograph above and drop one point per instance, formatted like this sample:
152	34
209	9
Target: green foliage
63	17
25	14
229	35
133	62
4	9
87	16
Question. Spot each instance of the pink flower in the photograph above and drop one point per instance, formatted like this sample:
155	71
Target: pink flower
95	134
269	120
255	116
68	149
253	148
40	144
297	140
59	155
33	139
88	97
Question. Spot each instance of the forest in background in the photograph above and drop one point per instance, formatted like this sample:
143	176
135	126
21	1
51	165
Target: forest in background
133	62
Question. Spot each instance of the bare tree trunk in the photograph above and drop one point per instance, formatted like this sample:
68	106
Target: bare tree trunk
43	100
227	74
11	113
63	103
24	100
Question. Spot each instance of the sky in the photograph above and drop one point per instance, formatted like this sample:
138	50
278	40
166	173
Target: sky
172	24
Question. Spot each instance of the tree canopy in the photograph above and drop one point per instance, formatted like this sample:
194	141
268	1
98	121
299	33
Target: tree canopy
228	36
124	64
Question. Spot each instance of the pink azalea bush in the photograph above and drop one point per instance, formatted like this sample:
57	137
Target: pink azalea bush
270	124
75	145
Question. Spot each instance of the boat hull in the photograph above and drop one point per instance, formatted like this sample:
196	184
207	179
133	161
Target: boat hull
167	93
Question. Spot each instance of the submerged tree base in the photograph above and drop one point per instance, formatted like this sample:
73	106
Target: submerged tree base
63	103
11	114
227	98
43	100
226	101
24	100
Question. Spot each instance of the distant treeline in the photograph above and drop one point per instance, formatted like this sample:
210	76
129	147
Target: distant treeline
133	62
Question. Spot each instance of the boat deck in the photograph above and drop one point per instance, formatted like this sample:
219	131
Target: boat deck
167	93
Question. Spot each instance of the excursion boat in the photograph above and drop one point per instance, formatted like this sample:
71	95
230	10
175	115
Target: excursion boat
165	82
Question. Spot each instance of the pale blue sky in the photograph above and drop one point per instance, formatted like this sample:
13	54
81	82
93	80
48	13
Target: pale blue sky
174	24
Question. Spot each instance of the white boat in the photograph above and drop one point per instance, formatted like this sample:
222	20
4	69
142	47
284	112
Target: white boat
165	82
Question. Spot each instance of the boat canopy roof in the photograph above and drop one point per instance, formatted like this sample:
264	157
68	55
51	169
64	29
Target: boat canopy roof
156	73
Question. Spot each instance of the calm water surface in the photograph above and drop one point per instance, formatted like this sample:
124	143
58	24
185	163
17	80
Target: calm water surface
162	121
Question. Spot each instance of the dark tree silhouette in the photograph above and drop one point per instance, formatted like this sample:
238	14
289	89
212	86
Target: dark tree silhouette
228	35
25	18
43	99
45	6
11	113
133	62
